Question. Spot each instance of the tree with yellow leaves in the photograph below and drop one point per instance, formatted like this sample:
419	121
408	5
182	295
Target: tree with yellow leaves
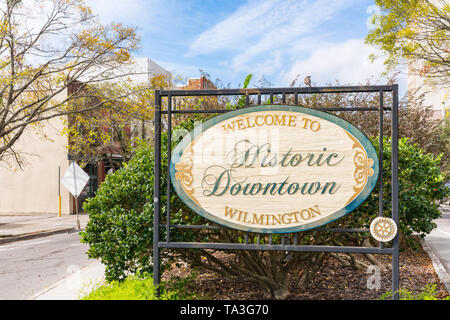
416	32
46	47
111	130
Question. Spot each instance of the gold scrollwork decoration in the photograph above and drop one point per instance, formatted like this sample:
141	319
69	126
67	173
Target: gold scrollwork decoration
363	167
184	172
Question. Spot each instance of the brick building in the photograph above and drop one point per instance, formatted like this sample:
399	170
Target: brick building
197	84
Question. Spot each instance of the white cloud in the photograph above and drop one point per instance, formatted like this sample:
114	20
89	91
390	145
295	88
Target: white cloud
348	62
129	11
269	66
248	21
259	27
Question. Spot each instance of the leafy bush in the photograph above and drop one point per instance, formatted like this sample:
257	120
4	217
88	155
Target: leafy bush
121	218
141	288
120	227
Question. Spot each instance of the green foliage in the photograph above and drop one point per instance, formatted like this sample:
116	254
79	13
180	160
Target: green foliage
414	30
142	288
421	187
427	293
120	227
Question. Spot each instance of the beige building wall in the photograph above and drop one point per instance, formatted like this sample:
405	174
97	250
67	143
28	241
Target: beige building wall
35	188
436	97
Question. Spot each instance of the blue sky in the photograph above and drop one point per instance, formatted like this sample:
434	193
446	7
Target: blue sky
274	39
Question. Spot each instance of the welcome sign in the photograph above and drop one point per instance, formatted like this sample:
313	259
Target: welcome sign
274	169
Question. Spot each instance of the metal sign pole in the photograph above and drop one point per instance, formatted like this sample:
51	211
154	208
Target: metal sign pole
76	193
157	193
395	217
76	209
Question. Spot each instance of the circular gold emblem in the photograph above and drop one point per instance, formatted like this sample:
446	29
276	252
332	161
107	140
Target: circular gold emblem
383	229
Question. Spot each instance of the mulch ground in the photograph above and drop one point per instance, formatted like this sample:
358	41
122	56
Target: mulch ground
333	282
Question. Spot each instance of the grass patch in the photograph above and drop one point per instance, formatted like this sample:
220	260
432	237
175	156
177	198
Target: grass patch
141	287
427	293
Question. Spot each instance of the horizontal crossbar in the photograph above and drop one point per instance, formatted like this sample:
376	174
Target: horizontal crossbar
274	247
225	111
199	226
289	90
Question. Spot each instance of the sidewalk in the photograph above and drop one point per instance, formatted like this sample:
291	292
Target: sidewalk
437	245
15	227
74	286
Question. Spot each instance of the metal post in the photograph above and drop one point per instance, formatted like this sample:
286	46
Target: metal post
169	152
76	197
380	157
76	209
156	192
395	243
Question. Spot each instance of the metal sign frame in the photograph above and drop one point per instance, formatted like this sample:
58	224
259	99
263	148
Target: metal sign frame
161	112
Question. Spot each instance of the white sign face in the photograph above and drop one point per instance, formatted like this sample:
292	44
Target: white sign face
75	179
273	169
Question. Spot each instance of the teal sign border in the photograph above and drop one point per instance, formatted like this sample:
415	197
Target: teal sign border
360	136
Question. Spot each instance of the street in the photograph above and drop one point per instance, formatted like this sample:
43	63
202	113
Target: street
439	238
28	267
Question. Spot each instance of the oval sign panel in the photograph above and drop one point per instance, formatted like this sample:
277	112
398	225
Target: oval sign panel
274	168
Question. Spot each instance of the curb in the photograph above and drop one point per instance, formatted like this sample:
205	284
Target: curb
37	234
438	267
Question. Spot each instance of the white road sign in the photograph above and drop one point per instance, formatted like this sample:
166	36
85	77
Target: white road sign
75	179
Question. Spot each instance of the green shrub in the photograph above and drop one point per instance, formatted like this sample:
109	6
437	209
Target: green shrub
120	227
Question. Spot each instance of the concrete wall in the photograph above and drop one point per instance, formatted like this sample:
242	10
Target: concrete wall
35	188
140	71
155	69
